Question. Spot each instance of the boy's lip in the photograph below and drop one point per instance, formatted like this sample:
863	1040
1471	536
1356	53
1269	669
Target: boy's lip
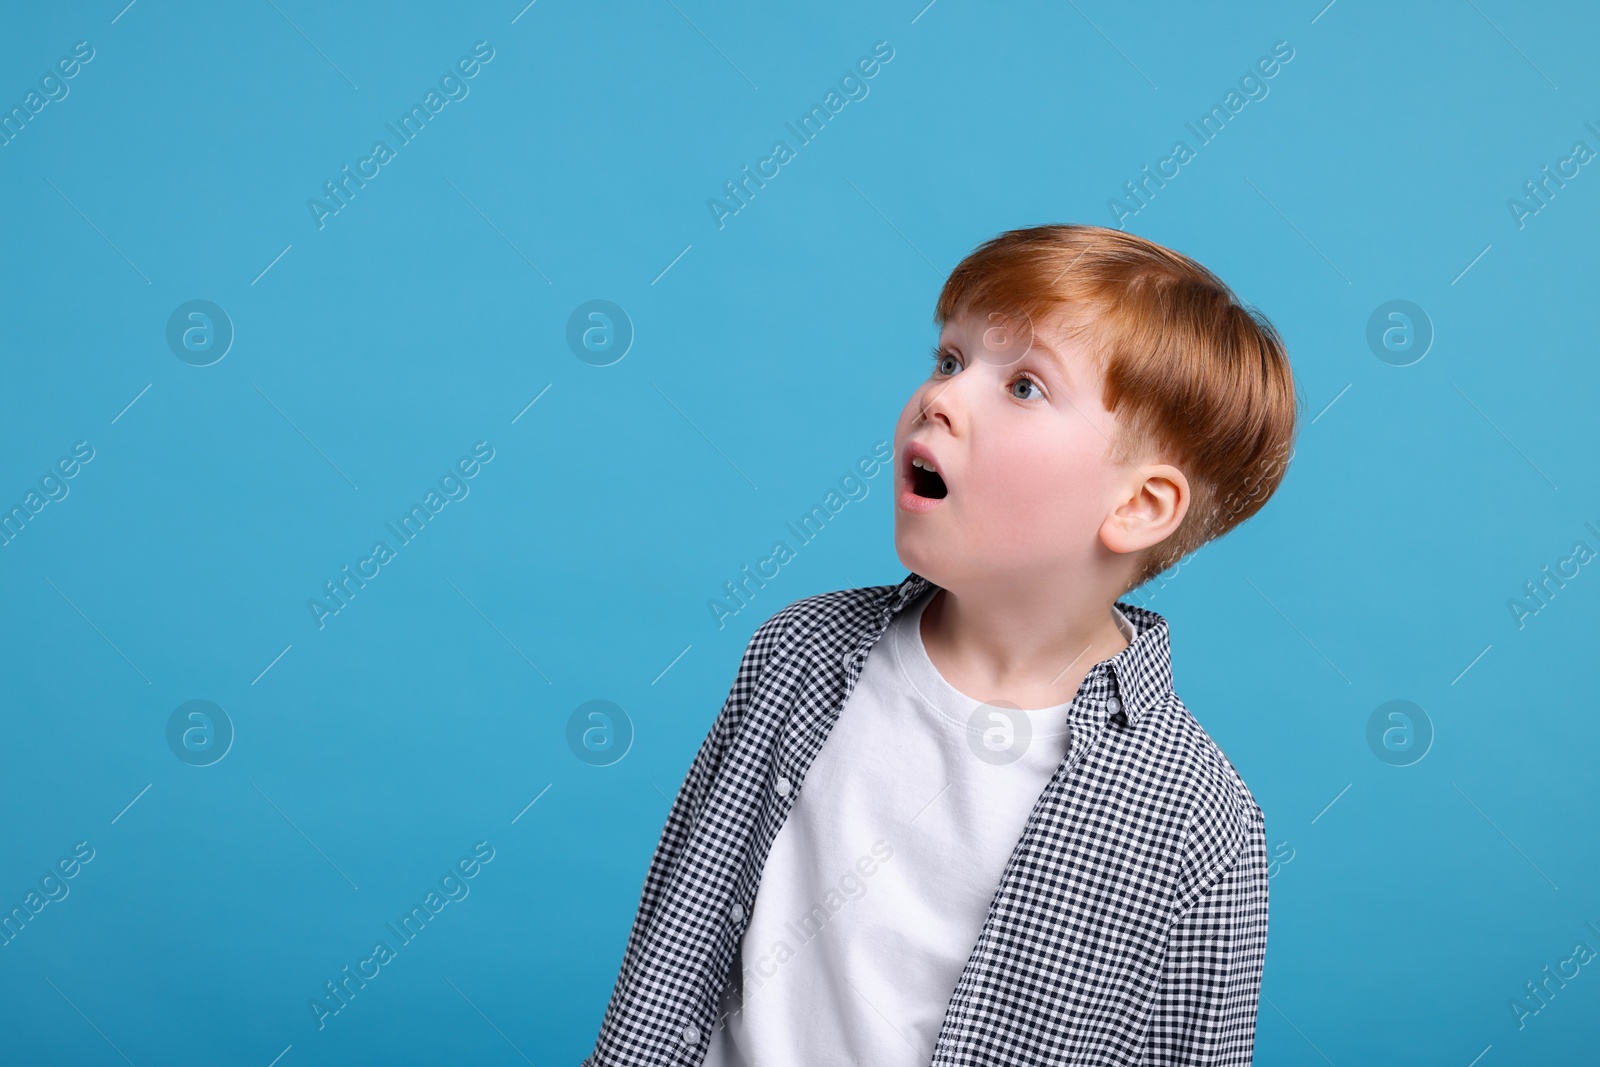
907	499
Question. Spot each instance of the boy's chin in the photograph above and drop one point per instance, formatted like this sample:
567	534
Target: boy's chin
919	554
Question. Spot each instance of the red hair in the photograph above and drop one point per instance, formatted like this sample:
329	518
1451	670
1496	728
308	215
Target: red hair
1192	375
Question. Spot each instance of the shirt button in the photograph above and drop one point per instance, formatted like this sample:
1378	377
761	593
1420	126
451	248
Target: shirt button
783	787
736	913
1113	705
691	1035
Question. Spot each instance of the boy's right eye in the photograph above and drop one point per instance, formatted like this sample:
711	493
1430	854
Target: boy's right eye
939	356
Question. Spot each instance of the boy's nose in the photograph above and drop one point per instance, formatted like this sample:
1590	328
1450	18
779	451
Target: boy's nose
949	400
938	401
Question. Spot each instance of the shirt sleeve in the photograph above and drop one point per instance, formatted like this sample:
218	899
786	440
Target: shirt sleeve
1204	1013
688	806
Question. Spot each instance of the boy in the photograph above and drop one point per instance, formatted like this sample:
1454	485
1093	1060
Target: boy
1016	846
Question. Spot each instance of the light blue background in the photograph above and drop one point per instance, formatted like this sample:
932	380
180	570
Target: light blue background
426	316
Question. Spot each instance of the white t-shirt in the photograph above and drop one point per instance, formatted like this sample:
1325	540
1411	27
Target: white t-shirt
880	878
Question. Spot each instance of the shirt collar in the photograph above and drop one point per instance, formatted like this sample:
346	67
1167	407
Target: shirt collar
1140	675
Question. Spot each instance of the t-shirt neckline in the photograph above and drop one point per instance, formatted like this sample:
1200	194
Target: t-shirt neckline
945	700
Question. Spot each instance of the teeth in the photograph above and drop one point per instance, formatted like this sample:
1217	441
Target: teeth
917	461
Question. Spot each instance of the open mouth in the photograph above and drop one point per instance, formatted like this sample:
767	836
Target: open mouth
927	482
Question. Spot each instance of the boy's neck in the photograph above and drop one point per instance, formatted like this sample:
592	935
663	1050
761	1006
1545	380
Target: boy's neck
1030	649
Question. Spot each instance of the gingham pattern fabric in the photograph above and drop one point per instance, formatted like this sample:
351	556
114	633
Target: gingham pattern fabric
1129	926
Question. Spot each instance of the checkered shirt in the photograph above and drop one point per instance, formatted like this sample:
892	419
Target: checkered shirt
1129	926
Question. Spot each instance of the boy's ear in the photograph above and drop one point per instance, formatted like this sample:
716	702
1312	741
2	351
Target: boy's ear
1157	500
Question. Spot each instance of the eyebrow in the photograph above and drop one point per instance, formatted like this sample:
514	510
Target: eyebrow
1054	358
1049	352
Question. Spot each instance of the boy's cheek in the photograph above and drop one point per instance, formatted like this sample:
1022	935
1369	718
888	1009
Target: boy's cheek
1022	501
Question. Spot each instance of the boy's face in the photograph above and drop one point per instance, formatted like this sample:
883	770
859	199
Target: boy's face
1022	443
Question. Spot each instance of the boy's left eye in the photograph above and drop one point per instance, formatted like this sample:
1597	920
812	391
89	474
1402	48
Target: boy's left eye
1025	380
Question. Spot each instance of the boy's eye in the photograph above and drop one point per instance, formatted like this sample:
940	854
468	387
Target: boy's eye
939	357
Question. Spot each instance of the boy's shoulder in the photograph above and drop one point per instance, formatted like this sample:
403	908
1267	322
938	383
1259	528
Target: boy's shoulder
833	621
1178	755
1197	759
1223	825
